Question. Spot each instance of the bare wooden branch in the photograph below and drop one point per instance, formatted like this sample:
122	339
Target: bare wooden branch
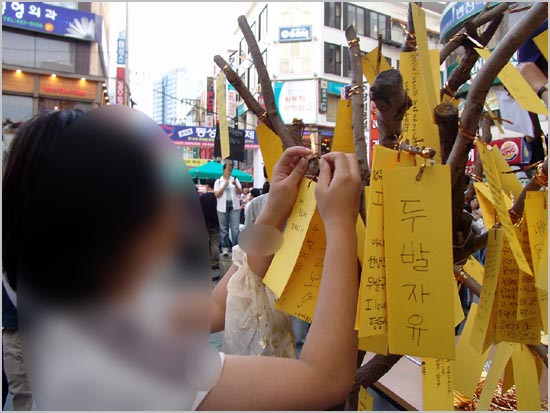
240	87
446	116
375	368
265	81
392	103
409	45
358	110
296	131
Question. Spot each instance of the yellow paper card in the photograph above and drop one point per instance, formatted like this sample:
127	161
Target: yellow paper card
431	77
510	183
475	269
468	363
418	123
493	259
518	87
360	232
300	295
541	41
536	215
373	275
528	305
507	328
459	312
503	353
343	132
374	344
493	178
525	377
485	199
369	63
542	297
270	146
365	400
419	261
283	263
437	384
222	115
508	378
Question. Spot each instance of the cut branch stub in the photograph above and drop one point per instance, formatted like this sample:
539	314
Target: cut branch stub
446	116
296	131
240	87
392	103
265	81
409	44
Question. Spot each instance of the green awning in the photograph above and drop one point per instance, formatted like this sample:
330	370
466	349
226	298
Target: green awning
213	170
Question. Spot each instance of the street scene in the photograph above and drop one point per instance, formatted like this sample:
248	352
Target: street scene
275	206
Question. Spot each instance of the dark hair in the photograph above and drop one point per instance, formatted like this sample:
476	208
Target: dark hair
98	187
24	159
265	187
255	192
211	182
226	164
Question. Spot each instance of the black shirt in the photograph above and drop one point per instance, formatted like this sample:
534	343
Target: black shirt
209	204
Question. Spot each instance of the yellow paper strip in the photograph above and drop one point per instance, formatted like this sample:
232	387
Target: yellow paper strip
507	328
373	275
493	177
503	353
536	215
283	263
428	74
374	344
300	295
518	87
541	41
343	132
270	146
508	378
222	115
437	384
369	63
528	306
418	123
475	269
493	259
542	297
419	261
468	363
458	311
509	183
525	377
485	200
365	400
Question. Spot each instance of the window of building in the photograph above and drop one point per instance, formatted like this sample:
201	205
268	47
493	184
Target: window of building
262	24
332	107
333	14
29	50
354	15
378	24
295	58
346	60
16	108
243	51
47	104
333	59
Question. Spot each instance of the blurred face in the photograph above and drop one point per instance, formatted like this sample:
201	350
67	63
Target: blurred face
474	203
228	169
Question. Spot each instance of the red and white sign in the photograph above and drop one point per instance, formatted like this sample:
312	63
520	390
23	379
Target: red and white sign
120	86
231	103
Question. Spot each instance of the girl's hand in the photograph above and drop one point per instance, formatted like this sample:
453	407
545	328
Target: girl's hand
338	190
286	177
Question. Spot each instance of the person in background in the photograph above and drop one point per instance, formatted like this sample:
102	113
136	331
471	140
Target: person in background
209	204
245	198
227	189
478	226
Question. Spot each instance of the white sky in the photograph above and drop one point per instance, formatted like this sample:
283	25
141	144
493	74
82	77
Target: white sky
164	36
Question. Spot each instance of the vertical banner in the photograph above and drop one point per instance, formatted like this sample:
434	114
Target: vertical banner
222	114
210	95
120	90
419	261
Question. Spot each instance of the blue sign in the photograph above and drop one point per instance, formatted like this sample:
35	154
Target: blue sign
295	34
44	18
335	88
457	13
121	51
200	136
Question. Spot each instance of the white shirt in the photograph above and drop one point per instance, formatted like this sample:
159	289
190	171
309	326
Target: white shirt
222	200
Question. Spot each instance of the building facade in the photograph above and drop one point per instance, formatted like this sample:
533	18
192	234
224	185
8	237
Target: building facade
171	97
54	56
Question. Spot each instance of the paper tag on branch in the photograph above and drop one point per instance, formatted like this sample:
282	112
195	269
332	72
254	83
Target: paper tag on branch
541	41
437	384
419	261
222	115
343	132
502	354
370	63
492	173
518	86
373	277
295	272
270	146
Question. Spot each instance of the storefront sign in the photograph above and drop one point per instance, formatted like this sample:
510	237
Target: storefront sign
457	13
514	151
210	95
121	51
201	136
231	103
194	162
297	99
64	87
120	89
323	105
45	18
295	34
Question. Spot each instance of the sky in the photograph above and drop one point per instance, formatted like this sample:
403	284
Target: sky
164	36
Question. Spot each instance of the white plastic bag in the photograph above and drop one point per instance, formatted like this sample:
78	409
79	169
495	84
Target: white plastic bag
252	324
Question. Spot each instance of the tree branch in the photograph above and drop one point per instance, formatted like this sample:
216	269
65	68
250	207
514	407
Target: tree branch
239	86
409	45
265	81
